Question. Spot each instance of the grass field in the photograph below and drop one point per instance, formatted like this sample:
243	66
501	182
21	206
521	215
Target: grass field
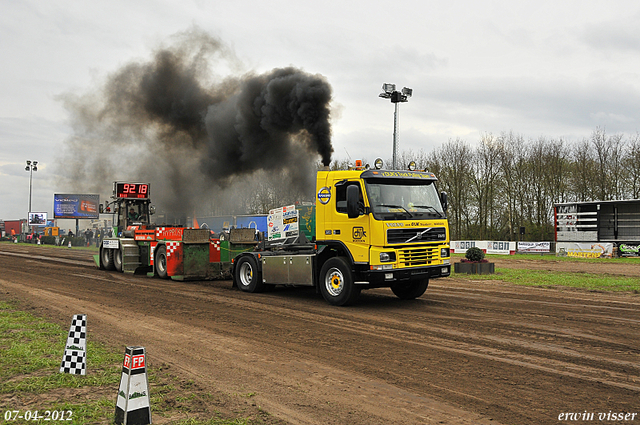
543	278
552	258
588	281
30	354
82	248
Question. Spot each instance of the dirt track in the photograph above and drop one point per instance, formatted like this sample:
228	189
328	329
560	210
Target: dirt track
465	352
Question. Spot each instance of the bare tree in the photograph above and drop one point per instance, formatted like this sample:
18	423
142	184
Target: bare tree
452	165
583	172
512	158
486	168
608	157
631	163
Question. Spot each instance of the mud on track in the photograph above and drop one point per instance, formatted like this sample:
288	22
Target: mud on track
464	353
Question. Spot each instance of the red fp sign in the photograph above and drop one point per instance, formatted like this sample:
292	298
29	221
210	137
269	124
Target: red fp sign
134	362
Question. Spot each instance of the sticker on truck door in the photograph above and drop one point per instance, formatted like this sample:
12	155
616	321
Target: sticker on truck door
358	234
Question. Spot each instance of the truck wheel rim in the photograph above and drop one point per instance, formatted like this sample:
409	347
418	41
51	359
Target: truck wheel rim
334	282
246	274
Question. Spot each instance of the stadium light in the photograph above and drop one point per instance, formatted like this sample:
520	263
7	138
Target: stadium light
389	92
31	167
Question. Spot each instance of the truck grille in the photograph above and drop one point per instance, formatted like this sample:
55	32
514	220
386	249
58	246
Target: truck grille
416	235
414	257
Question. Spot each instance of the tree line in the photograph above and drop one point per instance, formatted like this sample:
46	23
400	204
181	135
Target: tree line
495	187
506	182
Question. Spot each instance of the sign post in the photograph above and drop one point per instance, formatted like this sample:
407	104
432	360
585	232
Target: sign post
133	406
74	360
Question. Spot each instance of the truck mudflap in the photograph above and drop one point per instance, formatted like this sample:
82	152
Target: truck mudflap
383	278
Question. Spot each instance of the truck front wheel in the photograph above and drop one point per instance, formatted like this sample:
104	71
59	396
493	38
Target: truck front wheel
247	276
336	282
411	290
106	258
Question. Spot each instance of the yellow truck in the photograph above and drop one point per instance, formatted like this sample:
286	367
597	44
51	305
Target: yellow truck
373	228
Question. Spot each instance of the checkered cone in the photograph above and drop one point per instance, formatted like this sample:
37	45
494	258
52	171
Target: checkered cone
74	360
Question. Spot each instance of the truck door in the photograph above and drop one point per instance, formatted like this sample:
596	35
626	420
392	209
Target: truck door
353	232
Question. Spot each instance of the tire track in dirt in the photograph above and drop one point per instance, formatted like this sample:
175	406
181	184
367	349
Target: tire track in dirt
515	355
482	346
400	406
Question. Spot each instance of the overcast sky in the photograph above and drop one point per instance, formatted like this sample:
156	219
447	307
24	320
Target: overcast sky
538	68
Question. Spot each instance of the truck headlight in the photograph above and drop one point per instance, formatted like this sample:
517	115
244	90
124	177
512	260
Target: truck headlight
385	257
444	253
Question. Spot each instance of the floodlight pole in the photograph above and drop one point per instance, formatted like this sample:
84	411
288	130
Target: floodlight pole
389	92
31	167
396	124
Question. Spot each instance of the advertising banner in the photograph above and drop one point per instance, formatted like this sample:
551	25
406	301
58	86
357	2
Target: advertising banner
584	250
37	219
489	247
258	222
628	250
460	247
282	223
76	206
534	247
501	247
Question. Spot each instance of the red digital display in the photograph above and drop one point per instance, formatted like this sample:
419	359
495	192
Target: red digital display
132	190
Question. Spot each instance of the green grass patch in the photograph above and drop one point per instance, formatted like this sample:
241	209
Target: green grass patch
31	351
552	258
76	248
593	282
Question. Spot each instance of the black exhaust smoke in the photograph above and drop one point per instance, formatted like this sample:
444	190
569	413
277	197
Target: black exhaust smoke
267	121
174	121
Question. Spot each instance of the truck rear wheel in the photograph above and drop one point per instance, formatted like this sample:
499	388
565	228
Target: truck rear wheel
117	258
247	276
106	258
336	282
411	290
160	262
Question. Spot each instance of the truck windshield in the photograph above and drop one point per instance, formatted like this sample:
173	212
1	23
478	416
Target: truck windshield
395	199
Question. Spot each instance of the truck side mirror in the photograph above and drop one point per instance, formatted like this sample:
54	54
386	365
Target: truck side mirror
443	200
353	195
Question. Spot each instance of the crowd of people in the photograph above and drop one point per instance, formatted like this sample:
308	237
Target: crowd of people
90	236
94	236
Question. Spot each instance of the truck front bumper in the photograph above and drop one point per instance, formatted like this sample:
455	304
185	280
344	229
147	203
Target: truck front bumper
381	278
